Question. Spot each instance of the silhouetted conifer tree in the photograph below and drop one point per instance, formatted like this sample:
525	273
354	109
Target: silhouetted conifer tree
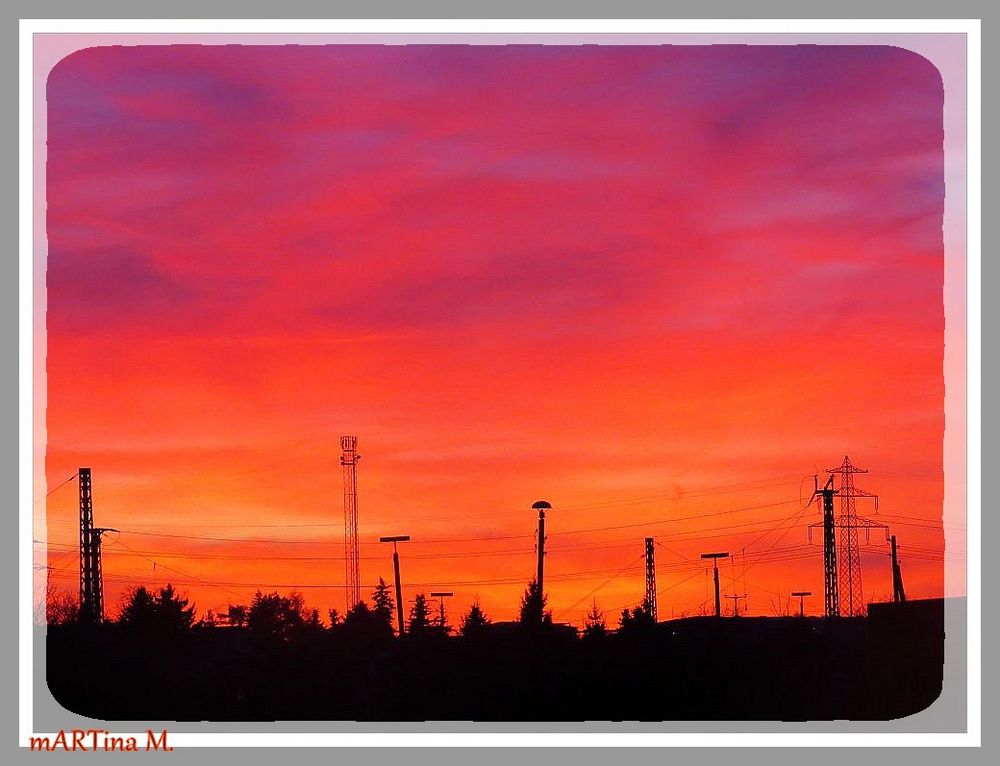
474	622
237	615
533	606
420	621
364	627
594	624
638	620
383	603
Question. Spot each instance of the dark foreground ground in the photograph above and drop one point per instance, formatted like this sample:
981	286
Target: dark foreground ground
886	666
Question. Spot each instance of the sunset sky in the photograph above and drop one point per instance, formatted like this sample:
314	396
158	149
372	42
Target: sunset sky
658	286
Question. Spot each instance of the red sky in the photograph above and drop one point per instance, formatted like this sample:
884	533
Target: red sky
653	285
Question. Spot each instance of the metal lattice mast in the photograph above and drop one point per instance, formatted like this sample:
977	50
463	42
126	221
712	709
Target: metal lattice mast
89	606
649	602
352	556
852	598
830	591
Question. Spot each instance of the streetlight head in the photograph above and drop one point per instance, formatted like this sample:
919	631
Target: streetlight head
441	593
394	539
542	505
715	555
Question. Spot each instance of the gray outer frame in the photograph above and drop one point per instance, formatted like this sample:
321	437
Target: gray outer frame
441	9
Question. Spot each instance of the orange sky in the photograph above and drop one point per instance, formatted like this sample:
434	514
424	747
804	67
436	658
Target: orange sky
654	286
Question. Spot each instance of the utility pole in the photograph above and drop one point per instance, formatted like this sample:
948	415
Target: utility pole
715	566
649	602
898	594
395	568
802	594
541	506
736	603
352	556
441	595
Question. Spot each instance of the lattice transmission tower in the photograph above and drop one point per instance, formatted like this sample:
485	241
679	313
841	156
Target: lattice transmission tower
852	598
352	555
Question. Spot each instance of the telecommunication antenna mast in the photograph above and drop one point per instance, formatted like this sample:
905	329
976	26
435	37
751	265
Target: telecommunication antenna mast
352	555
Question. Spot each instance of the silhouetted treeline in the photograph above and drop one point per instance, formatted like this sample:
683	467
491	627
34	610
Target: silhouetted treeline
277	661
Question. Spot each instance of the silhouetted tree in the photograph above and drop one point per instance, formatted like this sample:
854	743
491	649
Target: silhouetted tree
474	622
382	603
237	615
365	626
163	613
594	624
61	607
636	621
277	617
334	618
533	606
420	621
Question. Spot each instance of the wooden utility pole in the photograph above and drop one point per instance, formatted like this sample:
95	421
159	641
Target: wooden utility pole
736	603
715	566
441	595
898	594
802	594
395	568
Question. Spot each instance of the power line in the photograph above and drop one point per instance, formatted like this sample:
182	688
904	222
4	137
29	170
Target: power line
58	486
164	566
432	541
613	577
703	491
563	577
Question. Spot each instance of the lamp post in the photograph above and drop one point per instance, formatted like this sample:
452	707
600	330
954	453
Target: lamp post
541	506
